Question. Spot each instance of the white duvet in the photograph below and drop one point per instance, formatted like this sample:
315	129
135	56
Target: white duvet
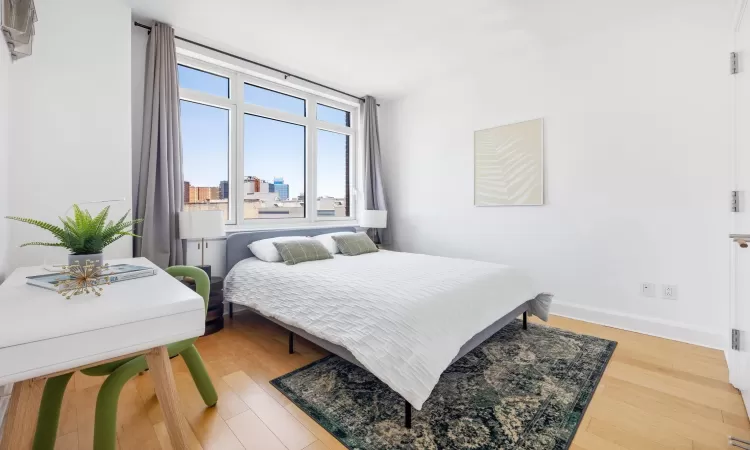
404	316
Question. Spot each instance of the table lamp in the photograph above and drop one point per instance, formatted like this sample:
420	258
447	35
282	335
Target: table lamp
373	218
202	225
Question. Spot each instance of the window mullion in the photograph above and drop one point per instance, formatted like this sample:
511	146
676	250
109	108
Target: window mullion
311	162
239	152
334	128
273	114
354	161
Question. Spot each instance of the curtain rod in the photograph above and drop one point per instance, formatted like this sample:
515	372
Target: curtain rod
286	74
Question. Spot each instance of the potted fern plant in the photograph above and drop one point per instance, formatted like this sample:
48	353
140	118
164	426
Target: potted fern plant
83	235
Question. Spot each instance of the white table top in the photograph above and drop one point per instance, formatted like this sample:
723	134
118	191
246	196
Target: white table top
129	316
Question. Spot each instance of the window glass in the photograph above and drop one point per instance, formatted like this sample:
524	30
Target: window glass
333	174
205	157
333	115
274	172
199	80
274	100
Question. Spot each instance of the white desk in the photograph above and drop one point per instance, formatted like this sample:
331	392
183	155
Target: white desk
43	334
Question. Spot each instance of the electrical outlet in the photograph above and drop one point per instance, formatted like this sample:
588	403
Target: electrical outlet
669	292
648	290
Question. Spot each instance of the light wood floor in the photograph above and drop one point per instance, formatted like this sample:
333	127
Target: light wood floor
655	394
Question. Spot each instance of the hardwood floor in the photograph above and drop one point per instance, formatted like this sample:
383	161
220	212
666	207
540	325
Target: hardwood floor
656	394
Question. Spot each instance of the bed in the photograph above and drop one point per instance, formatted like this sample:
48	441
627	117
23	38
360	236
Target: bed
404	317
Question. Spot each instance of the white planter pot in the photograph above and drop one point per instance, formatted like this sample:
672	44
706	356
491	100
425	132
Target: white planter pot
96	259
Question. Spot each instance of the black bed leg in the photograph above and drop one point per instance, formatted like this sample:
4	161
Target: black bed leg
291	342
231	310
407	414
524	321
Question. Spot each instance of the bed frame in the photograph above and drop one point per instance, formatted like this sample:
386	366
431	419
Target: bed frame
237	250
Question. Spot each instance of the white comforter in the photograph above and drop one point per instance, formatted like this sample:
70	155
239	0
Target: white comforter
404	316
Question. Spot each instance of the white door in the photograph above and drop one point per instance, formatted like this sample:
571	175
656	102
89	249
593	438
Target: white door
739	360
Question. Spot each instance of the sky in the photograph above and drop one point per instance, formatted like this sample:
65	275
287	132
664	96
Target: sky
271	148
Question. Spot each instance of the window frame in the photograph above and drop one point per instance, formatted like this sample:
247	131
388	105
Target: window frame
237	110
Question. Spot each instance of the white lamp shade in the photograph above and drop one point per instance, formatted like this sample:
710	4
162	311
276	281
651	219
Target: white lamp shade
201	224
372	218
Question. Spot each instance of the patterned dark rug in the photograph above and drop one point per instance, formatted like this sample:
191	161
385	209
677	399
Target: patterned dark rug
520	389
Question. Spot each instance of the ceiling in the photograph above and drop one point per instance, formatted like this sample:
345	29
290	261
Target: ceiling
385	48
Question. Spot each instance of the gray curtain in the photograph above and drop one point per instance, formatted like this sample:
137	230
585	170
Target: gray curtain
374	196
160	188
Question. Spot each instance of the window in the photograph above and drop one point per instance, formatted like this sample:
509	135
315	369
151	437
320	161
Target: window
264	152
205	154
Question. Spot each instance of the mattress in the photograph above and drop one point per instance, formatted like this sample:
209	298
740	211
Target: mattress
403	316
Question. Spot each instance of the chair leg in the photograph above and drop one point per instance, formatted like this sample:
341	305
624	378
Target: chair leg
200	376
105	424
525	326
49	412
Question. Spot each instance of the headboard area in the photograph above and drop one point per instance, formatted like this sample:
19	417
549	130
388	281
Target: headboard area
237	243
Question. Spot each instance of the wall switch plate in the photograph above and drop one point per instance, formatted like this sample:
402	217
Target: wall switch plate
669	292
648	290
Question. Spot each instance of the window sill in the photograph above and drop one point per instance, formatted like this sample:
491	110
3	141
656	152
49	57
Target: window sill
230	229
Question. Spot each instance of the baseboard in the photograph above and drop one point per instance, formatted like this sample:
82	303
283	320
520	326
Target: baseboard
641	324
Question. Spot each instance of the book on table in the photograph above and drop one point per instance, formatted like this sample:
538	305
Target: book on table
114	274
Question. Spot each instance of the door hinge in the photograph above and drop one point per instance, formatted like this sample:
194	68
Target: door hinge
734	66
735	201
735	339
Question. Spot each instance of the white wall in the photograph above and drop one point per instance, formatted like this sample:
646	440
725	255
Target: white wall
4	152
139	42
636	110
70	126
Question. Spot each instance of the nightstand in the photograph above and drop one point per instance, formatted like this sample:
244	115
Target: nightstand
215	313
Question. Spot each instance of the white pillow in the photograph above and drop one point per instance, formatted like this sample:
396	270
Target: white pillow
328	241
266	251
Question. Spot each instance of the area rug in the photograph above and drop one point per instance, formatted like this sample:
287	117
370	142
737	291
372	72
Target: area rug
520	389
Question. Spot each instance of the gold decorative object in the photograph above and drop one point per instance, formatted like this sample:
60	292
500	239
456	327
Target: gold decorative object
85	279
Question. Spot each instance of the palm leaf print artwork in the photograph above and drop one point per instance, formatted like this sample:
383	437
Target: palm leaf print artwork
508	165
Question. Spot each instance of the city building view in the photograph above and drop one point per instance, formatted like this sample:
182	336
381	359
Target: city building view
262	200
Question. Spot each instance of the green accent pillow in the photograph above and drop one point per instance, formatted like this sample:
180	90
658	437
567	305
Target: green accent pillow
355	244
295	252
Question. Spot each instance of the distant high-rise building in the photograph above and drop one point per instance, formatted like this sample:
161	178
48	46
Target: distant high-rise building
280	188
186	192
200	194
223	190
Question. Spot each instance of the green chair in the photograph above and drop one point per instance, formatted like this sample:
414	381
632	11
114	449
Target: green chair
118	373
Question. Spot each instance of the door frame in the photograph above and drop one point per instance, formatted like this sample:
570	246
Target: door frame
737	24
